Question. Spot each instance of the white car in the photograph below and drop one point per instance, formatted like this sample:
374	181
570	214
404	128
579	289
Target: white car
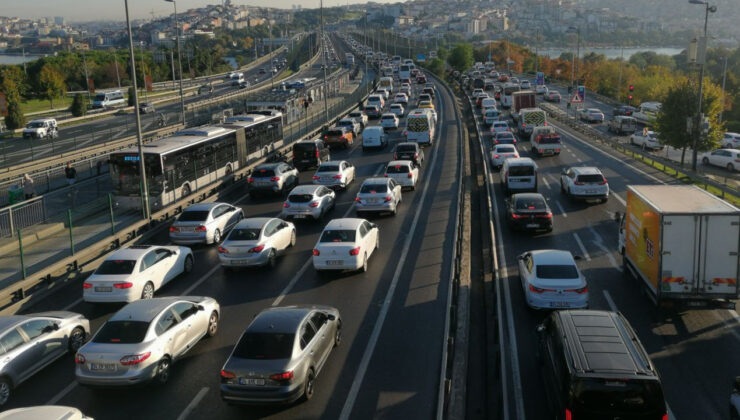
384	92
499	126
405	88
585	183
401	98
501	152
389	121
345	244
204	223
731	141
541	89
592	115
551	280
405	172
140	342
351	125
360	117
649	141
136	272
257	241
725	158
378	195
397	110
525	84
46	412
334	174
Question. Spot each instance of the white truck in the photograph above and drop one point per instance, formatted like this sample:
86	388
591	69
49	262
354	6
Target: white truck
42	128
545	141
681	243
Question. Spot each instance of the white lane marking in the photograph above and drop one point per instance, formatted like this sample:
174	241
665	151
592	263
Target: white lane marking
560	207
599	242
72	305
55	399
201	280
199	396
583	248
370	349
620	199
546	181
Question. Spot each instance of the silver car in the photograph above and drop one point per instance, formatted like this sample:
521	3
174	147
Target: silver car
334	174
204	223
275	178
378	195
308	201
280	354
29	343
256	241
140	342
45	412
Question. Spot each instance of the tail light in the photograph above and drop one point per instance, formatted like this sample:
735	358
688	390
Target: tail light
357	199
250	180
316	252
354	251
514	140
174	229
496	156
388	198
316	178
569	415
516	216
135	359
579	183
325	137
541	150
580	291
416	156
557	150
80	359
257	248
337	177
535	289
313	204
222	250
86	285
410	175
386	175
545	216
317	155
225	374
282	377
395	155
495	141
524	125
603	180
275	179
665	416
200	228
124	285
286	205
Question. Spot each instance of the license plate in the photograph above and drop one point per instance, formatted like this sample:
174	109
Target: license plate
335	262
240	262
532	225
102	366
558	304
372	200
187	229
103	289
590	191
304	160
299	216
245	381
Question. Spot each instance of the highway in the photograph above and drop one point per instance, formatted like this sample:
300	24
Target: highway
695	351
393	316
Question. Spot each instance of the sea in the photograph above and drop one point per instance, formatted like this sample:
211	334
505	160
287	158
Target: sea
611	52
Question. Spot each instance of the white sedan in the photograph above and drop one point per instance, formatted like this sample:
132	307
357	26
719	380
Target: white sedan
405	172
256	241
551	280
725	158
345	244
647	140
136	273
334	174
204	223
389	121
501	152
398	110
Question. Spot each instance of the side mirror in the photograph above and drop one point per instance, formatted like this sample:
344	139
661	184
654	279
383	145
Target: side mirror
201	308
374	225
577	257
331	317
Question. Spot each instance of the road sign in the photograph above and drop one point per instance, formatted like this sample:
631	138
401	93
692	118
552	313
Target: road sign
540	78
582	92
576	99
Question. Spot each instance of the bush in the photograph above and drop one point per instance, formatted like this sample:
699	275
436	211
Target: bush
78	107
131	96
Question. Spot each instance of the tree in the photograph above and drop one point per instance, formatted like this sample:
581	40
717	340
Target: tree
78	108
461	57
15	118
51	83
443	53
437	67
131	96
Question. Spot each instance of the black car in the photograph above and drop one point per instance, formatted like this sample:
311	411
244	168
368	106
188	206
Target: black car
529	211
409	151
428	91
310	154
625	110
594	367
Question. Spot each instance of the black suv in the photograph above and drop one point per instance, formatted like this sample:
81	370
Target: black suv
595	367
310	154
409	151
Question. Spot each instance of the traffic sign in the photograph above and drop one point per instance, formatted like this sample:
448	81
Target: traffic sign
582	92
576	99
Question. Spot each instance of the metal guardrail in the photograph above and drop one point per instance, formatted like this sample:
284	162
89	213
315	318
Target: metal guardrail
21	216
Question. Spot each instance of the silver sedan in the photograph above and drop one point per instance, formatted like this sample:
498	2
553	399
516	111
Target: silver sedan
308	201
378	195
204	223
334	174
140	342
256	241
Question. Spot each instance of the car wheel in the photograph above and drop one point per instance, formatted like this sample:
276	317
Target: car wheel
377	241
212	324
730	167
5	390
148	291
163	371
292	238
271	262
217	237
338	334
308	387
76	339
705	161
188	266
363	269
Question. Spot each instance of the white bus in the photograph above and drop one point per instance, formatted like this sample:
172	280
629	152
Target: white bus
191	160
404	72
386	82
420	127
350	58
108	99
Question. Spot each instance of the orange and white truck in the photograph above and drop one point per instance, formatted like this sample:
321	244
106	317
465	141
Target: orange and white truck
682	244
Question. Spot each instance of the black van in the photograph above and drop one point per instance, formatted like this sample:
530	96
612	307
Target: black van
595	367
310	154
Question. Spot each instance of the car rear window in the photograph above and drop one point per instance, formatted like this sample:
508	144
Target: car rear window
355	114
245	234
193	216
406	148
521	170
389	117
618	396
263	173
116	267
397	169
590	178
335	133
529	203
549	139
556	271
373	188
507	149
121	332
265	346
337	235
328	168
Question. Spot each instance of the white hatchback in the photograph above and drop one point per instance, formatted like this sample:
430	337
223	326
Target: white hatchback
397	110
405	172
585	183
725	158
501	152
389	121
345	244
551	280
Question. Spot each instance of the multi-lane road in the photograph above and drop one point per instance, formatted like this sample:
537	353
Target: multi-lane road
393	316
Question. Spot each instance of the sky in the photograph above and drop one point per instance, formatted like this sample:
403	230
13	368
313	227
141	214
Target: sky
87	10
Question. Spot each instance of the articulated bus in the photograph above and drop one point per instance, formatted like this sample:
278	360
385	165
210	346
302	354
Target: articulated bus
191	159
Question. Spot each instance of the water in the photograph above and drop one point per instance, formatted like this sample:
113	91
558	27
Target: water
17	59
610	52
232	62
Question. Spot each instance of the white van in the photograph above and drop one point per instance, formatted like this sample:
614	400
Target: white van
386	83
42	128
647	112
108	99
519	175
374	137
420	127
237	78
404	72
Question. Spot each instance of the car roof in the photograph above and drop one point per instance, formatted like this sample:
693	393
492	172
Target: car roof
375	180
133	252
586	170
345	223
552	256
388	114
9	321
527	196
47	412
399	163
266	166
408	143
202	206
145	310
279	320
504	146
253	222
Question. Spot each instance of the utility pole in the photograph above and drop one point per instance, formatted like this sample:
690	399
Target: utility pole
179	62
536	53
699	114
619	81
143	69
272	73
172	62
724	79
87	78
323	61
118	76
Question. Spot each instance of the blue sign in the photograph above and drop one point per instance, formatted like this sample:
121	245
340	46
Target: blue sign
582	93
131	158
540	78
421	58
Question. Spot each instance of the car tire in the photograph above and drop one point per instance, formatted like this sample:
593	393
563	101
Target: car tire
5	390
147	292
363	269
271	259
163	371
705	161
292	239
309	384
730	167
188	264
76	339
212	324
338	333
217	236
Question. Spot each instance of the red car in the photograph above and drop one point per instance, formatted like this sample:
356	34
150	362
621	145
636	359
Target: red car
421	79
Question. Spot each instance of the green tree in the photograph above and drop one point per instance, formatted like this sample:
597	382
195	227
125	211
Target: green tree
443	53
437	66
15	118
11	80
461	57
51	84
78	108
131	96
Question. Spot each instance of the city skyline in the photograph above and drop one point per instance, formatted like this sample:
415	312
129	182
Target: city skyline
86	10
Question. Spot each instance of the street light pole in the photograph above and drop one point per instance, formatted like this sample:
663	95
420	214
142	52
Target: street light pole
724	79
139	141
179	61
323	61
697	128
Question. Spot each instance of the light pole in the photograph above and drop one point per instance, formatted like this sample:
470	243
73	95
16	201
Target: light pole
702	46
573	67
724	79
139	142
619	82
179	61
323	64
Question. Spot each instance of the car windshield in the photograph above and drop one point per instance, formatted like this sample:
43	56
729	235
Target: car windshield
397	169
121	332
590	178
521	170
328	168
344	123
556	271
619	396
245	234
193	216
355	114
549	139
500	125
373	188
396	106
335	133
116	267
529	203
265	346
263	173
35	125
389	117
332	235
